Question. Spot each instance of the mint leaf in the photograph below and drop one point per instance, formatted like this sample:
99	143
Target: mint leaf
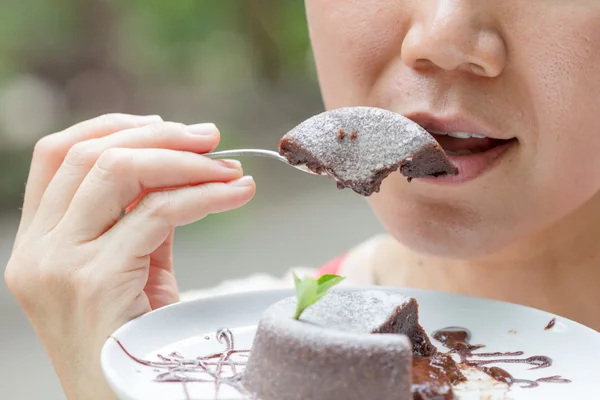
310	290
296	279
326	282
306	293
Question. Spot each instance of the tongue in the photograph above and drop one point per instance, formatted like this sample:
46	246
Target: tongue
454	145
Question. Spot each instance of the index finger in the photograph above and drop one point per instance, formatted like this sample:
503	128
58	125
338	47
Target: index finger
50	152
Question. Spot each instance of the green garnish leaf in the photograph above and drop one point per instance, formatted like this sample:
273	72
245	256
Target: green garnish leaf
326	282
310	290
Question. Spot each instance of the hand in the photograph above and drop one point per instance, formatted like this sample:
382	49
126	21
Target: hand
78	271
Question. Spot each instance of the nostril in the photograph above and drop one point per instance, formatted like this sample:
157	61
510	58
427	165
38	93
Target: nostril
477	69
422	64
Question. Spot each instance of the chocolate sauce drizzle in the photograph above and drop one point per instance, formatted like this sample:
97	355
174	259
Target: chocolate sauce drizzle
502	375
218	368
458	341
537	361
550	324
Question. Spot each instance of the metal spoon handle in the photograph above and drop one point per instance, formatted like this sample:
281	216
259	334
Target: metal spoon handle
256	153
246	152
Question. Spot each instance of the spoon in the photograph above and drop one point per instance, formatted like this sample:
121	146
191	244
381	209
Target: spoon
358	147
257	153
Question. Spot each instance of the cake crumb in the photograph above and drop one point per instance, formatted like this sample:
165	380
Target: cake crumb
353	135
513	331
550	324
341	134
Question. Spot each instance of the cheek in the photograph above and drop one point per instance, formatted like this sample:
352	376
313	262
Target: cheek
353	41
552	85
564	84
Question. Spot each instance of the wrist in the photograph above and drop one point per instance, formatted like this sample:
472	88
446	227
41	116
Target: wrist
76	361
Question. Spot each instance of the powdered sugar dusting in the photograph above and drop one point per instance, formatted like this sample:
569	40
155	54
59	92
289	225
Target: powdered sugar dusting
342	317
303	358
347	317
376	139
349	311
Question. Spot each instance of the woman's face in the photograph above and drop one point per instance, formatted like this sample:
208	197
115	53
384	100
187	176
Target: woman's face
526	72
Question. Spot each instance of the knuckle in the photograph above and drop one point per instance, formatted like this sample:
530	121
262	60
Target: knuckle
12	278
19	283
157	203
81	154
114	161
28	276
20	267
113	119
46	147
44	271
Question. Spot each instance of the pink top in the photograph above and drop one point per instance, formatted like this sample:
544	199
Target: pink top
332	267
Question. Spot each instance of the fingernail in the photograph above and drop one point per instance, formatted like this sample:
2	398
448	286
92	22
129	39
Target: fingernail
146	119
243	181
207	129
234	164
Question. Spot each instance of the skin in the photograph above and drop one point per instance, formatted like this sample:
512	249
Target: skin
524	69
79	271
524	231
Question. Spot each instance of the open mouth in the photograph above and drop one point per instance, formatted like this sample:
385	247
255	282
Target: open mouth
472	154
465	143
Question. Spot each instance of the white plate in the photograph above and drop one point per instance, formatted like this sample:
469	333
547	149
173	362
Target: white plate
502	327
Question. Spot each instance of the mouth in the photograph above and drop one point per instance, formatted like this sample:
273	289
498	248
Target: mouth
456	144
473	148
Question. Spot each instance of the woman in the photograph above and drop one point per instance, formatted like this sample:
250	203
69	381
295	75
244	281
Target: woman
510	87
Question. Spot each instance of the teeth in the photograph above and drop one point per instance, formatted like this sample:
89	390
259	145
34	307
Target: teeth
459	135
462	152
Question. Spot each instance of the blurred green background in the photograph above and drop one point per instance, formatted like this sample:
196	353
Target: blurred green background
232	62
245	65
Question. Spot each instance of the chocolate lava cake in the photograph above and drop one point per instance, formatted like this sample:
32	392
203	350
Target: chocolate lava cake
349	345
360	146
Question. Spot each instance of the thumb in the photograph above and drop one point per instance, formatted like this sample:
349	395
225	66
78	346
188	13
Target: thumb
161	286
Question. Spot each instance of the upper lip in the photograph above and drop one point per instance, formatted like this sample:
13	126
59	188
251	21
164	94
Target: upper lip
454	123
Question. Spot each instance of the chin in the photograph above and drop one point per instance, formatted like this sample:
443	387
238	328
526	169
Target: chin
437	243
438	229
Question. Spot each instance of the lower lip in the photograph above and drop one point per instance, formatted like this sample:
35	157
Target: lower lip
472	166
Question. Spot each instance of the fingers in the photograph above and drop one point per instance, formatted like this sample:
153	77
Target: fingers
151	221
120	176
82	157
51	150
161	286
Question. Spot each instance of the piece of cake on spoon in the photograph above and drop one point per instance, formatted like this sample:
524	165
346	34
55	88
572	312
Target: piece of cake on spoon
360	146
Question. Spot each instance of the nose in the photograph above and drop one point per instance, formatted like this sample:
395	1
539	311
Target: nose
455	35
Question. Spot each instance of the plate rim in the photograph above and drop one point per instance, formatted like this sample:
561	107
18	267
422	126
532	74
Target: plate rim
286	292
110	374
